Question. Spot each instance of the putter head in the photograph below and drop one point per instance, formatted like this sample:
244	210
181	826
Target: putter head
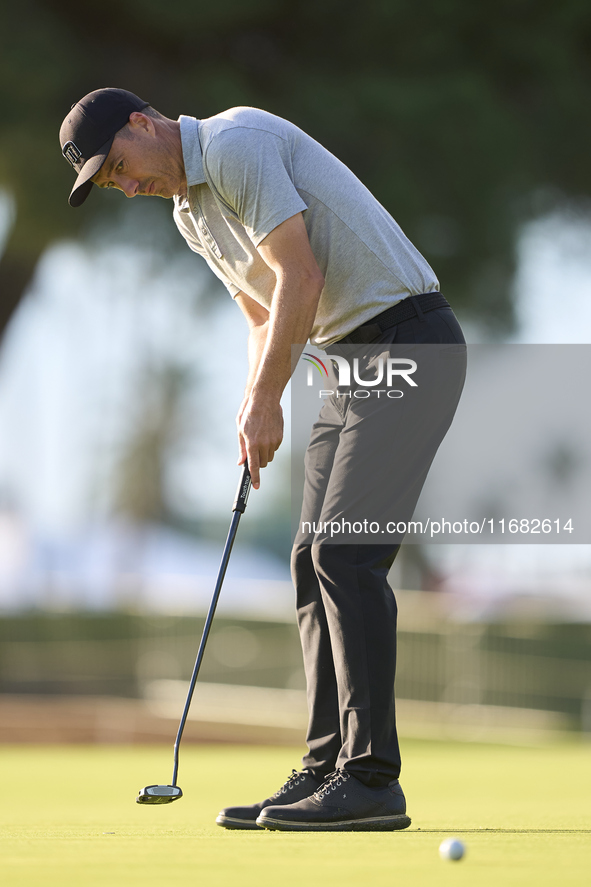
159	794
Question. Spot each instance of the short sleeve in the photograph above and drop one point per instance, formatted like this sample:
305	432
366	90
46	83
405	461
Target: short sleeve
250	171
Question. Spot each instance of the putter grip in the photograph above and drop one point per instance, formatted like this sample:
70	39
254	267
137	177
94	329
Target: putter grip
242	492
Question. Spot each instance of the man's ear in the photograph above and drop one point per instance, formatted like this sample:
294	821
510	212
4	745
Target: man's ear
140	123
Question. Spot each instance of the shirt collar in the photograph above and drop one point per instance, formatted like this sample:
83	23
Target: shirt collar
192	156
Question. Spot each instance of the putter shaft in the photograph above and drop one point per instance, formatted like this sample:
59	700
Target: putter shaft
238	509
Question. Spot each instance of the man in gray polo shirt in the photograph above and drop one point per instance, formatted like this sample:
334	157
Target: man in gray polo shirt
308	254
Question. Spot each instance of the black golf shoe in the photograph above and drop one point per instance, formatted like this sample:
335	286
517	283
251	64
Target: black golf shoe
298	786
342	803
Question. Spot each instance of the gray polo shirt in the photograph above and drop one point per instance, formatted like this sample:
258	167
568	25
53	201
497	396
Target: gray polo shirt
248	171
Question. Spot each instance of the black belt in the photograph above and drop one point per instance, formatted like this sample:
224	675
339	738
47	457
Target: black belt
409	307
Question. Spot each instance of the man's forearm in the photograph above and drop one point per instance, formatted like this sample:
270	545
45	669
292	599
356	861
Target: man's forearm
295	301
294	306
256	345
298	285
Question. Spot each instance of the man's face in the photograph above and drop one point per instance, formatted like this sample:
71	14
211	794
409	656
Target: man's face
142	163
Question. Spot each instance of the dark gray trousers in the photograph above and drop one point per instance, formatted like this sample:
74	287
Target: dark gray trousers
345	608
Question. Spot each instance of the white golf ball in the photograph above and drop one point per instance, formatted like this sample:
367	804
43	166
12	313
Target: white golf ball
451	848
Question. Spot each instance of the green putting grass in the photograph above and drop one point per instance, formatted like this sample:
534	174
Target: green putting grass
68	817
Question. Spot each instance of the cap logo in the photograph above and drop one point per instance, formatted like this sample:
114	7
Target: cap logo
72	153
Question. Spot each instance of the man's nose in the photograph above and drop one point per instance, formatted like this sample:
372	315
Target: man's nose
129	186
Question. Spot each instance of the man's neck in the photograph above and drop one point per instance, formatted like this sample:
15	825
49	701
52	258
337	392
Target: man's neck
171	130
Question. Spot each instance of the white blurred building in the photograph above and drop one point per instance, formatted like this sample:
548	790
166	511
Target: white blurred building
153	569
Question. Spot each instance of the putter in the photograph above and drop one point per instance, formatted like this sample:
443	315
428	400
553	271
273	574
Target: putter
165	794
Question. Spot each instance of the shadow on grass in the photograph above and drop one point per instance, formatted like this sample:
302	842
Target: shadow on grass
500	831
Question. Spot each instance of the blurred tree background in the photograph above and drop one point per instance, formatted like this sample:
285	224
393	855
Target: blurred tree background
464	119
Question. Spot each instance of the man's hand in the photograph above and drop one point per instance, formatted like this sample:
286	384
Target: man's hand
260	432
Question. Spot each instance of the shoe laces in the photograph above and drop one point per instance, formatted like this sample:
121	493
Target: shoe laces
291	782
331	783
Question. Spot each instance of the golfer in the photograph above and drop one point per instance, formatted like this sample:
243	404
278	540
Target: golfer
308	254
